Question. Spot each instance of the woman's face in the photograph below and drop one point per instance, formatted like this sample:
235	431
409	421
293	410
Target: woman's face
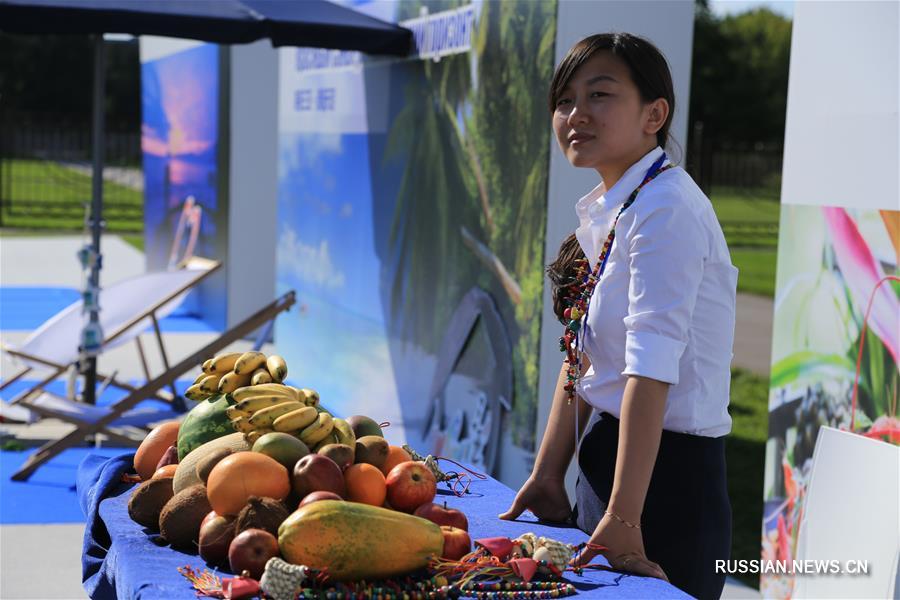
600	120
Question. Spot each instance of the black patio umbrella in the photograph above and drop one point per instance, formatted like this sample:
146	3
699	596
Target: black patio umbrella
307	23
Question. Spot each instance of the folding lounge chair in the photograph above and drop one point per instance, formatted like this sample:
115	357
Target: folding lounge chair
128	308
160	294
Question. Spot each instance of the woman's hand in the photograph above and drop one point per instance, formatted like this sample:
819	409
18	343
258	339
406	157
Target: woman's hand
545	497
624	549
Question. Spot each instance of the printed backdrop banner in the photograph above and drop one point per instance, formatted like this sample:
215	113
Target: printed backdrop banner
412	209
836	335
183	214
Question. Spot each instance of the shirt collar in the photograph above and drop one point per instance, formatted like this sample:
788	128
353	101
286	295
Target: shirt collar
599	200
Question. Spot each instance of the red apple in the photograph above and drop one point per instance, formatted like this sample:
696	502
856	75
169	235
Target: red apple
457	543
216	533
250	550
410	485
443	515
316	496
318	473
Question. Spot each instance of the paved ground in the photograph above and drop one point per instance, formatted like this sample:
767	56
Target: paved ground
753	333
43	561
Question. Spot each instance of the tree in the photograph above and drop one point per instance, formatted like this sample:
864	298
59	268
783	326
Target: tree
739	76
50	76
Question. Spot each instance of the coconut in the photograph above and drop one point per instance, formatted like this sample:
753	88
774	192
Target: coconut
148	500
181	517
261	513
206	465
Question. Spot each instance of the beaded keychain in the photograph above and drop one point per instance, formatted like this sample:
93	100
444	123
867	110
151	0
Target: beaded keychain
583	289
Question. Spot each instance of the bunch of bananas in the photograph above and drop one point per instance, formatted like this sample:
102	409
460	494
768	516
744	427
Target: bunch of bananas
228	372
268	407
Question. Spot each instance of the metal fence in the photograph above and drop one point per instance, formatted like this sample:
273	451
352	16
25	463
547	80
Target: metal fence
45	176
714	163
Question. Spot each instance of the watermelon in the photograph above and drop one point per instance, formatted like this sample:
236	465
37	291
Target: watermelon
206	421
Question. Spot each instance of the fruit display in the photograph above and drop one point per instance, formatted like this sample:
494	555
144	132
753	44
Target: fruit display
341	536
259	470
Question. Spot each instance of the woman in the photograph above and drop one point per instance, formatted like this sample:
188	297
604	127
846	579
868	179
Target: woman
651	356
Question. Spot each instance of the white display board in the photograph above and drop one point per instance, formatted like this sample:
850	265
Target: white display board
841	132
836	332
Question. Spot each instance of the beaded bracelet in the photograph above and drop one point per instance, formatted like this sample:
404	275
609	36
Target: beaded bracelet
623	521
515	590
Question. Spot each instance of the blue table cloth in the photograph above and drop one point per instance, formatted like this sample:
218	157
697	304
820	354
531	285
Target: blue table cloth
122	559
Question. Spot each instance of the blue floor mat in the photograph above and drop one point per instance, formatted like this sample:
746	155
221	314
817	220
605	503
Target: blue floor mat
49	495
27	308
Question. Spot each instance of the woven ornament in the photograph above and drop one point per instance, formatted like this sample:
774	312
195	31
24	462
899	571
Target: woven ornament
283	580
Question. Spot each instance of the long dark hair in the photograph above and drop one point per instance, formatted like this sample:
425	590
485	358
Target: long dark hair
646	64
562	273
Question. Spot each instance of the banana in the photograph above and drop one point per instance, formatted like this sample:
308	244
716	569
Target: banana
243	425
249	362
200	377
331	438
311	396
318	431
224	363
295	420
256	403
254	435
233	412
195	393
277	367
260	376
343	432
207	366
266	389
266	417
209	384
232	381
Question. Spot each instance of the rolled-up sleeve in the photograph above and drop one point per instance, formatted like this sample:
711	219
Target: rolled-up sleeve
667	249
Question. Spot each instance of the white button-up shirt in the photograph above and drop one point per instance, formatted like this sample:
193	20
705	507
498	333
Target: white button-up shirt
664	307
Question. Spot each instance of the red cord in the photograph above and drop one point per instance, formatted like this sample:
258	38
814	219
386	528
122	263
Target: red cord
862	340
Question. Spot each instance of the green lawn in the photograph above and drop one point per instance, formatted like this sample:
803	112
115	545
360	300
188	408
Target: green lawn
45	195
749	219
745	451
135	239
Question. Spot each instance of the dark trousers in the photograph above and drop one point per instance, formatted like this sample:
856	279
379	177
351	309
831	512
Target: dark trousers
686	522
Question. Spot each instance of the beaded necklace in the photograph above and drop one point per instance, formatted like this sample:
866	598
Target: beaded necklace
583	288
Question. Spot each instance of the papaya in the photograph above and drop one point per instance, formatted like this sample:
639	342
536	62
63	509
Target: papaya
358	541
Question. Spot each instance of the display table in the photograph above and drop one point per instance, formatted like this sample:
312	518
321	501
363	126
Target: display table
123	560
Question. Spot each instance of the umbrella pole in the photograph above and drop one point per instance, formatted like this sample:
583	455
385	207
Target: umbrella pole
96	221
